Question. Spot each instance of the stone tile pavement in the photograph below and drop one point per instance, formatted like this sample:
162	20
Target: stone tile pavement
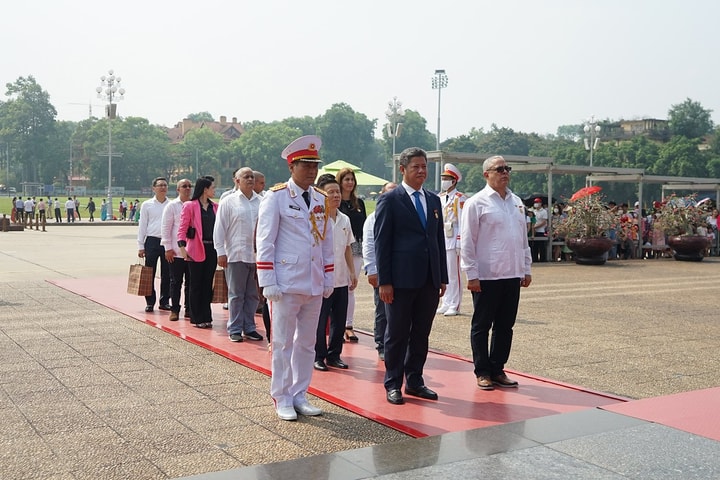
88	393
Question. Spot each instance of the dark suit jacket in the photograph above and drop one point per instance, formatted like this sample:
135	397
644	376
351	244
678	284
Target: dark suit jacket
404	250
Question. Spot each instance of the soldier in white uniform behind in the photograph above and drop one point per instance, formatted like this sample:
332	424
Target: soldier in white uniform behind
452	202
296	270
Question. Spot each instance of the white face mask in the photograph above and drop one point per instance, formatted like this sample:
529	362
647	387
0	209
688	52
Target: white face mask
537	205
446	185
556	210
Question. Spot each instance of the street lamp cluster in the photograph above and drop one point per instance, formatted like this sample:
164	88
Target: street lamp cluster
439	81
394	114
110	90
592	136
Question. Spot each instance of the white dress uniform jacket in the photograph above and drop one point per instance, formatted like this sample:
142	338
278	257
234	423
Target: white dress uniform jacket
294	247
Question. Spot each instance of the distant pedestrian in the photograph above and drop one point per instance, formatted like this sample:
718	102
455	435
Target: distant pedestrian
77	207
91	209
70	210
58	213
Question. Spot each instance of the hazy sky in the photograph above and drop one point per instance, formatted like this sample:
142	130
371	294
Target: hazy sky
530	65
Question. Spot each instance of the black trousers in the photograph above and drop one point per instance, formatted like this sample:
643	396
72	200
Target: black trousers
335	307
179	271
154	252
495	308
380	321
201	278
409	321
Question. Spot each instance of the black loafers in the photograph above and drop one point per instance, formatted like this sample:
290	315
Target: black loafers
337	363
320	365
422	391
165	306
149	308
395	397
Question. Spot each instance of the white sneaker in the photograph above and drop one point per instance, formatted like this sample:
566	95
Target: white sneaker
287	413
442	309
451	312
304	408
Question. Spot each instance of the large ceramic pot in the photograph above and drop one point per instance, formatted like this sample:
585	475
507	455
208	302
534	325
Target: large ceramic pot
589	251
690	248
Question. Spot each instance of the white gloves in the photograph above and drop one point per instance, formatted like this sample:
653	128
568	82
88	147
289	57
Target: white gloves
327	291
272	293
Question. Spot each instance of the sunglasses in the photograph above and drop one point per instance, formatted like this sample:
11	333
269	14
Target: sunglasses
501	169
185	186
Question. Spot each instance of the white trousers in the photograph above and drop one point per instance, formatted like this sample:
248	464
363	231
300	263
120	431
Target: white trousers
453	292
294	320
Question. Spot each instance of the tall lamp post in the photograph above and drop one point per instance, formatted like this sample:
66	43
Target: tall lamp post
439	81
394	114
110	90
592	136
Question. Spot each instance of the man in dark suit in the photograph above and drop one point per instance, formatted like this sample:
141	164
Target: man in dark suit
412	274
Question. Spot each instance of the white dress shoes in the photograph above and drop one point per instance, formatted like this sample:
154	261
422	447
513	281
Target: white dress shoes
451	312
304	408
287	413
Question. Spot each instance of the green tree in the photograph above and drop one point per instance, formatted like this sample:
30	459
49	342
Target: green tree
201	117
346	135
680	157
690	119
27	122
144	153
261	146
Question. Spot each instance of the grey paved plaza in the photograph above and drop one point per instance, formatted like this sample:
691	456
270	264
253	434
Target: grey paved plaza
88	393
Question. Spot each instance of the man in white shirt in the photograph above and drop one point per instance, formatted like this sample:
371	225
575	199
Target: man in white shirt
148	241
234	237
29	206
169	239
371	271
70	210
495	256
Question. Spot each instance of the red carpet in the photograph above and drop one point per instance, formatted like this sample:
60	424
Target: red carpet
696	412
462	406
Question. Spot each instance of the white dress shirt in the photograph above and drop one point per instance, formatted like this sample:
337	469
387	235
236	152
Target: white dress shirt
150	223
235	222
342	238
170	225
369	245
494	243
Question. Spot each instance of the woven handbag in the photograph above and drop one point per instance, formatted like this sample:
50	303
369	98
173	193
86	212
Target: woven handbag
220	289
140	280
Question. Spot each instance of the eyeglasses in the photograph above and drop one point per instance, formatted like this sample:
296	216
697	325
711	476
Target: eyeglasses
501	169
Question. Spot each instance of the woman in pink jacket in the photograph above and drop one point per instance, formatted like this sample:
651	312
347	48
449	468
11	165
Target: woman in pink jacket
195	240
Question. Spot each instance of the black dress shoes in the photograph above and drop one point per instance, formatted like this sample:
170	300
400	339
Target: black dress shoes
149	308
337	363
422	391
165	306
320	365
395	397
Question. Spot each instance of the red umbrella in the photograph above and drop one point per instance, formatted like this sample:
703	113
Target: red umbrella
585	192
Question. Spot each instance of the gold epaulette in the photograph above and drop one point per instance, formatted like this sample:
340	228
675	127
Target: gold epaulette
278	186
320	190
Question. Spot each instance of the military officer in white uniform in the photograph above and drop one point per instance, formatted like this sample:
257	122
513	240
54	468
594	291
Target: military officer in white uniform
296	270
452	201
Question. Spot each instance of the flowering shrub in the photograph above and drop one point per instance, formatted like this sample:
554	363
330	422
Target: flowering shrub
587	215
681	215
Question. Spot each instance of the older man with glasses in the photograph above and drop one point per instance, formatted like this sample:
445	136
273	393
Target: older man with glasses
495	256
179	269
148	240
